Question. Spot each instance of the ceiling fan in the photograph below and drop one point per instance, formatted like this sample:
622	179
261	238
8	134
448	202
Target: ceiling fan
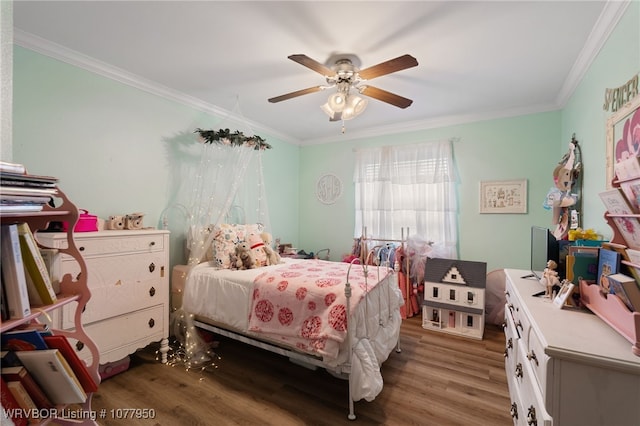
345	75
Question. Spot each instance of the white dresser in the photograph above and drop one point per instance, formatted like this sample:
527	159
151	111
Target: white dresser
128	276
565	367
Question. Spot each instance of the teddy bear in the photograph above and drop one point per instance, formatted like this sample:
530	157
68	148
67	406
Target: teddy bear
245	257
257	247
273	258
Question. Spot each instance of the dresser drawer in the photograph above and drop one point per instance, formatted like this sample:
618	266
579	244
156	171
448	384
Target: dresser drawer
538	359
513	308
130	331
107	242
119	284
525	392
111	245
512	339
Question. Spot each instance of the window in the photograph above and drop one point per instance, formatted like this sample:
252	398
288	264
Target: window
435	292
407	186
452	294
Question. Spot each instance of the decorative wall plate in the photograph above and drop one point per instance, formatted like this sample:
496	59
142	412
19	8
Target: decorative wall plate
328	188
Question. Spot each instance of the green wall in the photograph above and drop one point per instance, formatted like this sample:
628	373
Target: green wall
113	146
521	147
512	148
616	63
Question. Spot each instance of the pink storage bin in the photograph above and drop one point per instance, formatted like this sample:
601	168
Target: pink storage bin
86	223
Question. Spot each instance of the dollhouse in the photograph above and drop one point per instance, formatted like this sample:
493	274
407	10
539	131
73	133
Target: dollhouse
454	296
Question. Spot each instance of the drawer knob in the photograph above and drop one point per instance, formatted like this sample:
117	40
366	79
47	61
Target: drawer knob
510	306
81	248
152	291
79	345
531	416
151	323
506	293
532	356
152	267
152	243
514	410
519	370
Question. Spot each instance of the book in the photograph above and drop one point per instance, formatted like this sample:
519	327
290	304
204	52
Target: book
22	340
633	257
50	369
22	396
51	259
77	365
22	190
631	190
10	407
8	167
582	265
19	373
608	263
4	310
35	268
9	359
13	273
20	208
621	213
626	288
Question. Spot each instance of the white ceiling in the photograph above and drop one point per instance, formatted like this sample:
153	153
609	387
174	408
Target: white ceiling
477	59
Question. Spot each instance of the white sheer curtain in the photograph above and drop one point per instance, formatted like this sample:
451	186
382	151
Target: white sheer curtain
408	186
226	181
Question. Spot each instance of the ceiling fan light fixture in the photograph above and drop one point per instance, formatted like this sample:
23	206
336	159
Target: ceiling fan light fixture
327	110
354	107
337	101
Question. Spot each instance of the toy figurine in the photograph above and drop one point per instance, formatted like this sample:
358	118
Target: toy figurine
550	278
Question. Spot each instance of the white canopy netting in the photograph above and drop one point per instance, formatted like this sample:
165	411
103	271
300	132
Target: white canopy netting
225	185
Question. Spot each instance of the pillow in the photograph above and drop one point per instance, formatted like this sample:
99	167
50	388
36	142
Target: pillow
226	237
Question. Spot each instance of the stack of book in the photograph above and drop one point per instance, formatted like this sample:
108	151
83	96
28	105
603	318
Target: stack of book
26	278
21	192
41	370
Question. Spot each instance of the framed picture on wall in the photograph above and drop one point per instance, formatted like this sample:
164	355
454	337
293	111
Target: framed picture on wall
503	196
623	136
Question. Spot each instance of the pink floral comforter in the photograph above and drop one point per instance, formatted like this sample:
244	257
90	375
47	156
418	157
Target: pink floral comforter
304	303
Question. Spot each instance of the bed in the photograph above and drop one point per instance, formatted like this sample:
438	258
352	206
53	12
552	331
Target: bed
339	316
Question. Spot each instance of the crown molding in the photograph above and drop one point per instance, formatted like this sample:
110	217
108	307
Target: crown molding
72	57
418	125
607	21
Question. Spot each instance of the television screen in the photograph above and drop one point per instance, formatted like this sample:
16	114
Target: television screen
544	247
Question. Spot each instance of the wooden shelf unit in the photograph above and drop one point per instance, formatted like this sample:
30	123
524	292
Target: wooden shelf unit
72	289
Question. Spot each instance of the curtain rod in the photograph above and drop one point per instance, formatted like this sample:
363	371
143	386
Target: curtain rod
452	139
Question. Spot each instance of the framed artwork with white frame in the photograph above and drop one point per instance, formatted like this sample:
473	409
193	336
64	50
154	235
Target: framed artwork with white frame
623	136
503	196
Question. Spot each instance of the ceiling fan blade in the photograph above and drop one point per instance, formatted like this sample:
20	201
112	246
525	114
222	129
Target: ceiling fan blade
398	64
296	94
384	96
313	65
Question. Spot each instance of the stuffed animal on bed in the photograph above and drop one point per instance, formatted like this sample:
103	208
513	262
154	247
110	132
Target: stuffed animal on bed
273	258
245	257
258	248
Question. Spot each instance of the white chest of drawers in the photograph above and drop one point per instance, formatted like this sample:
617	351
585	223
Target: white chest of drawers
128	276
565	367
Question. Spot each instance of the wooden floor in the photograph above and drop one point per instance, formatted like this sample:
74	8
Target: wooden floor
437	380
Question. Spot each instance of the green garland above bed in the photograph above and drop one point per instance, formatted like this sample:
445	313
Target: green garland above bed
237	138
